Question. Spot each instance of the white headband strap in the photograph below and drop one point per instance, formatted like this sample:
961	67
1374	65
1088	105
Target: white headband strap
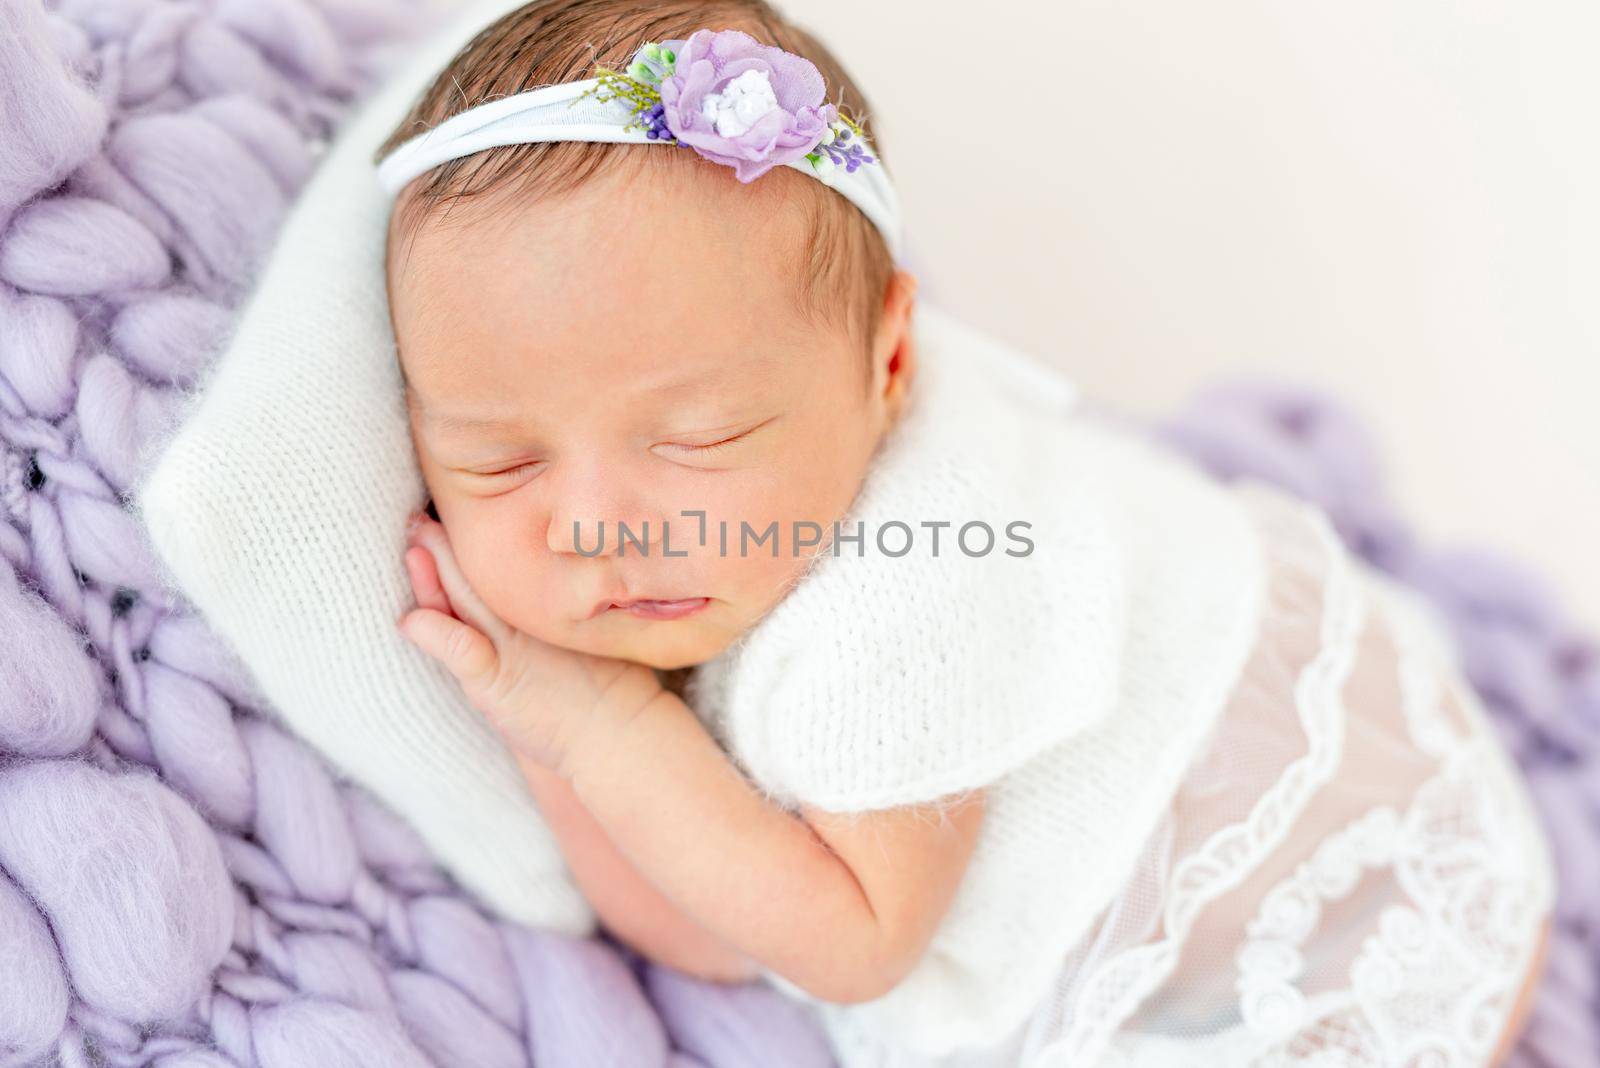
571	112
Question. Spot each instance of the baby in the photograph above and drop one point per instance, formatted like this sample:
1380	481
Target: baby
847	653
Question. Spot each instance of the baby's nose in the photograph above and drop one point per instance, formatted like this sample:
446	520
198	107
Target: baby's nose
598	505
600	535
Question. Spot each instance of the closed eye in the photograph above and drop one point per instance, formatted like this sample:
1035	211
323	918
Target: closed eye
508	472
715	447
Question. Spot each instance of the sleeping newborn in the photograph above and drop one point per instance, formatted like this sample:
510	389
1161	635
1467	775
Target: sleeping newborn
854	655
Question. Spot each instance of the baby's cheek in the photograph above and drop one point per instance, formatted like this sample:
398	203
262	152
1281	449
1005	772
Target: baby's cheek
513	580
755	583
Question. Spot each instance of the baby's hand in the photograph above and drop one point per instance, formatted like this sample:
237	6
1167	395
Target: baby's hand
542	698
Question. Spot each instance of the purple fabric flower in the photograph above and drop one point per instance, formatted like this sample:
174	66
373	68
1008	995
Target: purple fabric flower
744	104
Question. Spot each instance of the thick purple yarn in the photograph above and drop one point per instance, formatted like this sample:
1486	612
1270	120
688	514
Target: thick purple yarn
182	883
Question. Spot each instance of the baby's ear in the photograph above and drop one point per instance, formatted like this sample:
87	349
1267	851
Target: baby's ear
897	350
900	295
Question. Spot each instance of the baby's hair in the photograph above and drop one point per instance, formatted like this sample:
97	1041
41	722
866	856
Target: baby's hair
847	265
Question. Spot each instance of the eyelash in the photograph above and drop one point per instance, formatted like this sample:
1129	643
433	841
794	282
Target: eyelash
726	443
713	447
512	470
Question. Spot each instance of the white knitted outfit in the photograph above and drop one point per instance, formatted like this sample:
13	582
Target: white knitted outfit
1156	698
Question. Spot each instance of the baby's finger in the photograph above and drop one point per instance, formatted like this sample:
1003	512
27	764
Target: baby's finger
463	598
466	653
425	583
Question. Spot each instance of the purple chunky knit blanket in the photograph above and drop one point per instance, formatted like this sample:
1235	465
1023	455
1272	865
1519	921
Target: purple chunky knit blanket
184	884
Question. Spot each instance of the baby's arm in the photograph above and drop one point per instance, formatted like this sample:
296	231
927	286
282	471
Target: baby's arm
843	906
629	906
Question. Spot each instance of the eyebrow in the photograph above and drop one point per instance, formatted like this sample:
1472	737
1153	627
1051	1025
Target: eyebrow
449	422
443	419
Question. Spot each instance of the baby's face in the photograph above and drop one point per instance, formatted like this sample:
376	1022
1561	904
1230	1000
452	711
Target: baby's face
628	353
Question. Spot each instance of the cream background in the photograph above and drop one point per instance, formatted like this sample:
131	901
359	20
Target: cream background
1399	202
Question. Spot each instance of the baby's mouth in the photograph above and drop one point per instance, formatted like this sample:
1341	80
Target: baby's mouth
644	608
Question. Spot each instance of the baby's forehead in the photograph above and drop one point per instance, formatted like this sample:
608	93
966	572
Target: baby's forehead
506	406
673	231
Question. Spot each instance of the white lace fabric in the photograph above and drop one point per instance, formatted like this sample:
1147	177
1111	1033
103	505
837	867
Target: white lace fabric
1352	874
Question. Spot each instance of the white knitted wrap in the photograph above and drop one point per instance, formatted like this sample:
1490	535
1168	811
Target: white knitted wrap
1076	682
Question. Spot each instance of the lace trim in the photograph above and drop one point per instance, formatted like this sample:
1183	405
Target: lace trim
1230	854
1421	691
1434	980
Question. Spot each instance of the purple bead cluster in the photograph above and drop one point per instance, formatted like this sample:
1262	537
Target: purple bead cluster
655	123
849	157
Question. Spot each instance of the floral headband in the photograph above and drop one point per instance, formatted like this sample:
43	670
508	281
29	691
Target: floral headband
735	101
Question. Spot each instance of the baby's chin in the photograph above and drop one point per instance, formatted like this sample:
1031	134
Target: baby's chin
665	645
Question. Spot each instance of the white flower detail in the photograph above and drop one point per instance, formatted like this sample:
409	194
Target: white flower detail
741	104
